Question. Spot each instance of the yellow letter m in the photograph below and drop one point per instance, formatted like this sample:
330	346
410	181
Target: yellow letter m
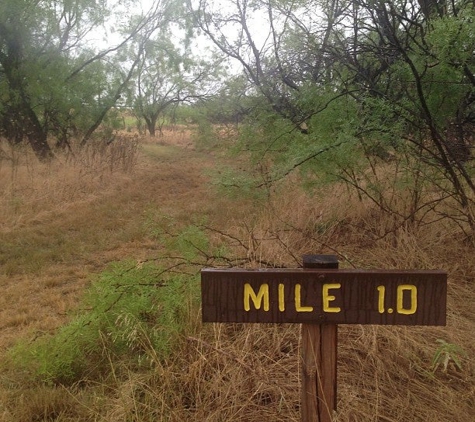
257	299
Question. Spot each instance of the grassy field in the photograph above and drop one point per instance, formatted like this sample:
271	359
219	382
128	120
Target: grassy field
99	307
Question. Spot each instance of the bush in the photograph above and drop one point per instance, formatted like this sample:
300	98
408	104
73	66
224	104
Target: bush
133	312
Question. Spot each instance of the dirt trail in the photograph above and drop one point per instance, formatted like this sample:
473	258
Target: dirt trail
80	240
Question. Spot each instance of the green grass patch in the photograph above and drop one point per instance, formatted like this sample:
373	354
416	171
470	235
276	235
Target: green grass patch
162	152
131	312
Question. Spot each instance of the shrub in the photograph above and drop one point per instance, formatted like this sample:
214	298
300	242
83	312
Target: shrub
134	312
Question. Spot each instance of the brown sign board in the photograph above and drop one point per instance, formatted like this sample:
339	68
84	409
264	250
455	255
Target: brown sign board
384	297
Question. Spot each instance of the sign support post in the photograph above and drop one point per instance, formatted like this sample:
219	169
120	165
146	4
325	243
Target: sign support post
319	345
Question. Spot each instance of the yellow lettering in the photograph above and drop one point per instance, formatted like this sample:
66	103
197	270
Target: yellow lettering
281	298
382	292
400	299
298	301
327	298
257	299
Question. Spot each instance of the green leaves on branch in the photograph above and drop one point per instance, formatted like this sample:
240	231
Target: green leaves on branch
134	312
57	83
348	90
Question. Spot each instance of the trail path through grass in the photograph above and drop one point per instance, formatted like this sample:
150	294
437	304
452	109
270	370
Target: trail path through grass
47	261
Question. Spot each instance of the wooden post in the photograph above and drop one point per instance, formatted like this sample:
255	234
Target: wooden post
319	343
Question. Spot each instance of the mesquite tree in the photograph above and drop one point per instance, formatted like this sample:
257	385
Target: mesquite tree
169	74
54	82
357	84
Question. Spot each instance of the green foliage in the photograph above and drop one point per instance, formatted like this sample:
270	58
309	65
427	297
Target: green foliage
452	42
190	242
169	74
189	247
57	85
446	354
186	114
131	311
277	148
232	103
44	93
452	38
242	183
205	136
354	92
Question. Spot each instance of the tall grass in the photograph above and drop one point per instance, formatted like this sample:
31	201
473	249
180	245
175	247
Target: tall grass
32	192
237	372
385	373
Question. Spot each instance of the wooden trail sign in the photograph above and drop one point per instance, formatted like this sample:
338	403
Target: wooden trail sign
324	296
319	297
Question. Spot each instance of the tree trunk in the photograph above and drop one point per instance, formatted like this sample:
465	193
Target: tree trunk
21	122
20	110
36	135
151	126
40	146
110	104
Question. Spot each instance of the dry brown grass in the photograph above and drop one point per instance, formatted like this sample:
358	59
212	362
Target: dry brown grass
385	373
71	219
64	220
